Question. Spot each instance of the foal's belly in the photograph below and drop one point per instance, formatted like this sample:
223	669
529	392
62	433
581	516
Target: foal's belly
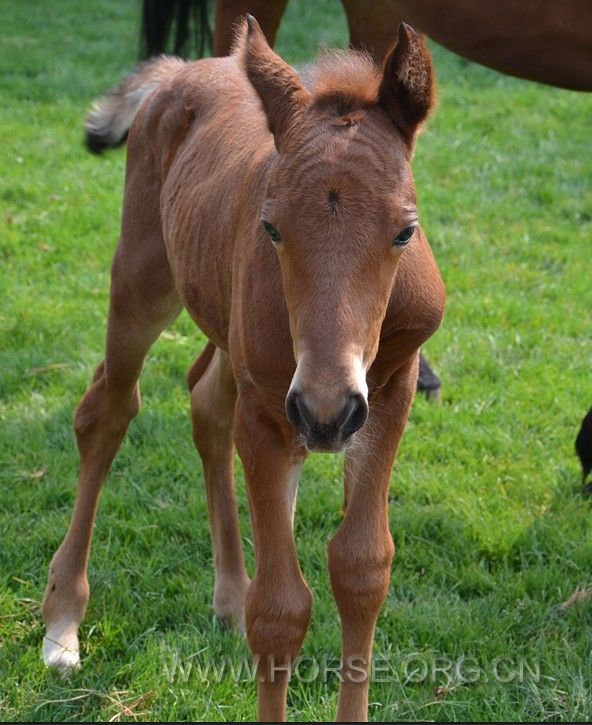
210	321
201	269
205	293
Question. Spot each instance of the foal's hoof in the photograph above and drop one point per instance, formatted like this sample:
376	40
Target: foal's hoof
232	617
428	382
232	623
62	659
61	649
229	602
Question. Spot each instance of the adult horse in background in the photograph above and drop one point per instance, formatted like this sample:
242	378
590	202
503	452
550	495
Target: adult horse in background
539	41
261	202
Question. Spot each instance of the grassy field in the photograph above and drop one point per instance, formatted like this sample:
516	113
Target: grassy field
491	529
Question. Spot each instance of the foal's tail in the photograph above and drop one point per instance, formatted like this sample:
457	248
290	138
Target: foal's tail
110	118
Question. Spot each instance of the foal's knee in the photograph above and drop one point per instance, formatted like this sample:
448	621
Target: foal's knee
277	617
360	574
213	399
105	410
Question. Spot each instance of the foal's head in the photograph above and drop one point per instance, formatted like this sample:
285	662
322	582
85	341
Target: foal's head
340	211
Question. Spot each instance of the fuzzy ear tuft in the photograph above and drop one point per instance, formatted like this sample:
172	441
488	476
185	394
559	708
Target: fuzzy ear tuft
407	90
278	86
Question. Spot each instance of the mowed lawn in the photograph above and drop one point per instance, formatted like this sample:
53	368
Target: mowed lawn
491	528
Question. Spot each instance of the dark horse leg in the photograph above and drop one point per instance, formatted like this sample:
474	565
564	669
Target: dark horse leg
584	449
189	18
427	381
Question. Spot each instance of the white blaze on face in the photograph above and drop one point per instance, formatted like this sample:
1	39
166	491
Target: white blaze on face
360	371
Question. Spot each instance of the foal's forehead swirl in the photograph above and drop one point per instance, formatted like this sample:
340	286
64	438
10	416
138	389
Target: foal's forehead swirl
346	164
341	198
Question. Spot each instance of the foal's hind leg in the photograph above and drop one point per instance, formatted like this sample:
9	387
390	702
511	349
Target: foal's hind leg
213	401
143	302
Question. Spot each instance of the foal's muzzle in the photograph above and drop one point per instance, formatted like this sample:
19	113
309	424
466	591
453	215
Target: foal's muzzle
327	435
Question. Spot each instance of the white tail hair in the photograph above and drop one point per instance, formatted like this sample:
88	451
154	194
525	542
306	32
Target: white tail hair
110	118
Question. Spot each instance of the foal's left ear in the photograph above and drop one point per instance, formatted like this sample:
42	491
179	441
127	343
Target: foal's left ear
278	86
406	91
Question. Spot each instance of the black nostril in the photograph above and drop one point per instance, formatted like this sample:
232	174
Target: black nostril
356	415
352	417
292	412
297	413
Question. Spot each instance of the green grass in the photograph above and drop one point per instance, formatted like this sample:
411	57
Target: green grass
492	532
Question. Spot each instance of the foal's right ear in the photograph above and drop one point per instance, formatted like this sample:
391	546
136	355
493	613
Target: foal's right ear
278	86
406	91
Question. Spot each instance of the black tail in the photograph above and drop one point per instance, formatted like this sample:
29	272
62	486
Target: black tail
192	32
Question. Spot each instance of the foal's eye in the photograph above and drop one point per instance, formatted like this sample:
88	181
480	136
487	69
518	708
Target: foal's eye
274	235
401	239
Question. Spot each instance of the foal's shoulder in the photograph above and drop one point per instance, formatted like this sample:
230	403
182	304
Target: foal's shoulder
418	294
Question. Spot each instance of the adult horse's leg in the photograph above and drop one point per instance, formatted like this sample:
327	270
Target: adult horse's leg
189	19
584	448
268	13
428	382
372	26
213	401
361	552
279	601
142	302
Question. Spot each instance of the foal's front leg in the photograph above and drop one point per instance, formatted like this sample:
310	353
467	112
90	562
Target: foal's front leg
279	601
213	399
361	553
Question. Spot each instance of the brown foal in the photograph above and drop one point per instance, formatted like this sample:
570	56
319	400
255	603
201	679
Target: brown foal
281	213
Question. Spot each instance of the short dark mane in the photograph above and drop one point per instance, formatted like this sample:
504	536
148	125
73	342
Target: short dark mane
349	78
346	78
